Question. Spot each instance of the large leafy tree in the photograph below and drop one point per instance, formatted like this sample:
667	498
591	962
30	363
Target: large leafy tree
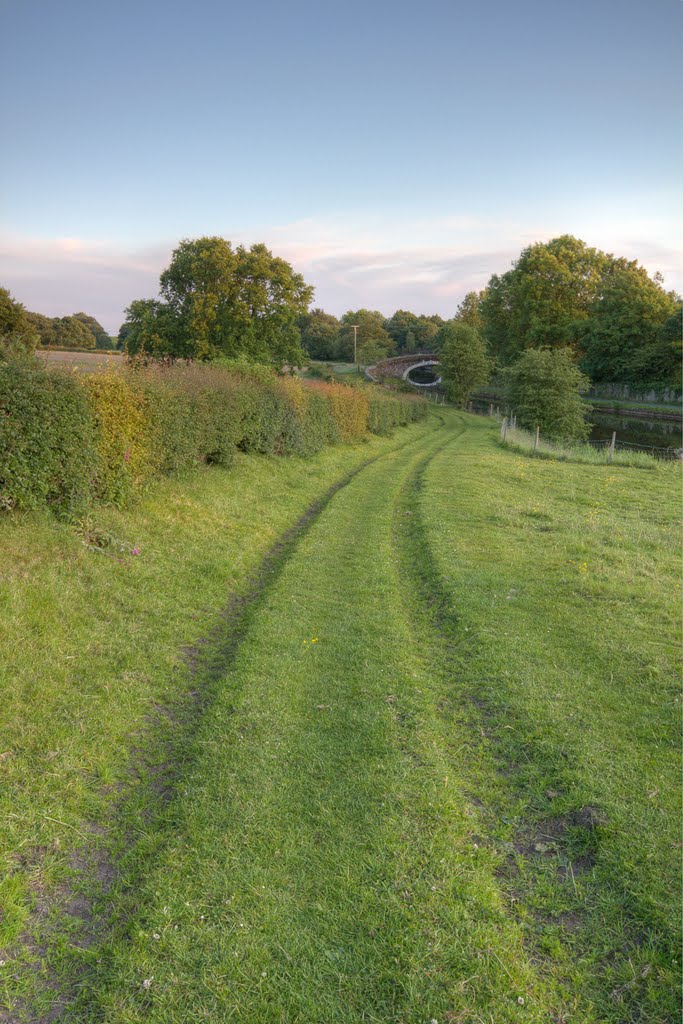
373	341
465	364
320	334
44	327
624	339
551	288
233	302
544	389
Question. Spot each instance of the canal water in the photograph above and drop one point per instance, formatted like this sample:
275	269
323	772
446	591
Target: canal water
648	432
655	432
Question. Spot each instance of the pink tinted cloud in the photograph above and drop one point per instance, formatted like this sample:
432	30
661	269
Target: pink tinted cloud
426	265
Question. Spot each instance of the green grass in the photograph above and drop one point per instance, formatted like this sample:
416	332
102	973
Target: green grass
561	586
426	772
523	442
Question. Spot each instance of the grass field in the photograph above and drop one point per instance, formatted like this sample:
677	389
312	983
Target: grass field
418	765
85	361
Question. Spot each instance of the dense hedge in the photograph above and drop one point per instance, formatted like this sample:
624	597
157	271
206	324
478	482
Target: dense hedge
67	439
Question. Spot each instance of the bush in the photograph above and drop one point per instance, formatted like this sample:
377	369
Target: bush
543	389
47	440
67	438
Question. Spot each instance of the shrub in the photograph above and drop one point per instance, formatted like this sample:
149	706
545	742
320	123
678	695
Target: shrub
543	388
47	440
67	438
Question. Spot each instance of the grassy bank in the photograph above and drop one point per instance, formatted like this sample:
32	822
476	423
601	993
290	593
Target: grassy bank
561	595
95	651
426	770
523	443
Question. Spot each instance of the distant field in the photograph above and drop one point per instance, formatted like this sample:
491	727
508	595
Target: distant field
89	361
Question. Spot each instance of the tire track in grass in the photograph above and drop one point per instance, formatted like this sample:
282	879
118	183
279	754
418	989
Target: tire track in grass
321	868
105	896
544	860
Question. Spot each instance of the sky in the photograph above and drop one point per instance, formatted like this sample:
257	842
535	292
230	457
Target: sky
396	153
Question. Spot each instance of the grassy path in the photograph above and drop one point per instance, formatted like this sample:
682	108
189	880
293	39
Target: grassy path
321	862
406	797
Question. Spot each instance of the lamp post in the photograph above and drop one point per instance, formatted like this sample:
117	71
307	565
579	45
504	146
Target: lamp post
355	336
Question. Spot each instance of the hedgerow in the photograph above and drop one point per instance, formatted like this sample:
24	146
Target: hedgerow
68	439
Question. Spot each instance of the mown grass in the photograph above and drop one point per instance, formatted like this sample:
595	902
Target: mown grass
320	865
561	589
95	678
524	443
429	773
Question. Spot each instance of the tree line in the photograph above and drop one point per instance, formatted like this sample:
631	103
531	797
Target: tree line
619	324
23	330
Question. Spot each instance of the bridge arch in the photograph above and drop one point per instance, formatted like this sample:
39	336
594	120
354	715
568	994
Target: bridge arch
400	367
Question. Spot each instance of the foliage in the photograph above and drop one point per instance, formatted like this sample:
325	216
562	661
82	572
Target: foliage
625	338
102	339
219	301
551	287
320	334
373	341
543	388
70	332
412	333
464	364
17	333
469	311
138	423
607	309
151	330
47	440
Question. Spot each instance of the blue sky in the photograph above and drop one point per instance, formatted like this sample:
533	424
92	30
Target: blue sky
396	153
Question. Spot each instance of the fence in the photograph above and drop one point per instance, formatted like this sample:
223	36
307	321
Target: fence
510	432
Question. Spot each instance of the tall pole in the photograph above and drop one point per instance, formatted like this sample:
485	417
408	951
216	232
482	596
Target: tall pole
355	336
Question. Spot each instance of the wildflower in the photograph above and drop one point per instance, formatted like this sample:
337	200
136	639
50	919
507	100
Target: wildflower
136	551
126	455
147	983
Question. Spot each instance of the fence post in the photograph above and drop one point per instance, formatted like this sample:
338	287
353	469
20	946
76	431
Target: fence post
491	409
538	431
504	428
612	445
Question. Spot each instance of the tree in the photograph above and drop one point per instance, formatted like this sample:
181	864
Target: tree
465	365
17	334
69	332
151	329
622	339
373	342
44	327
412	333
551	288
543	388
231	302
102	339
469	311
401	329
320	334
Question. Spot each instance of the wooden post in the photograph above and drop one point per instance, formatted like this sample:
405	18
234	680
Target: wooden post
491	409
612	445
538	432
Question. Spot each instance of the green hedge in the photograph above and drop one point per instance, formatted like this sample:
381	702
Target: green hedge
68	439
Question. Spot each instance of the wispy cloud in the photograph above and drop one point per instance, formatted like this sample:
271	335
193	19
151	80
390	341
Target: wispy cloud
423	264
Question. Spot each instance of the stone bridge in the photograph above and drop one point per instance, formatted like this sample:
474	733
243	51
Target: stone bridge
401	367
